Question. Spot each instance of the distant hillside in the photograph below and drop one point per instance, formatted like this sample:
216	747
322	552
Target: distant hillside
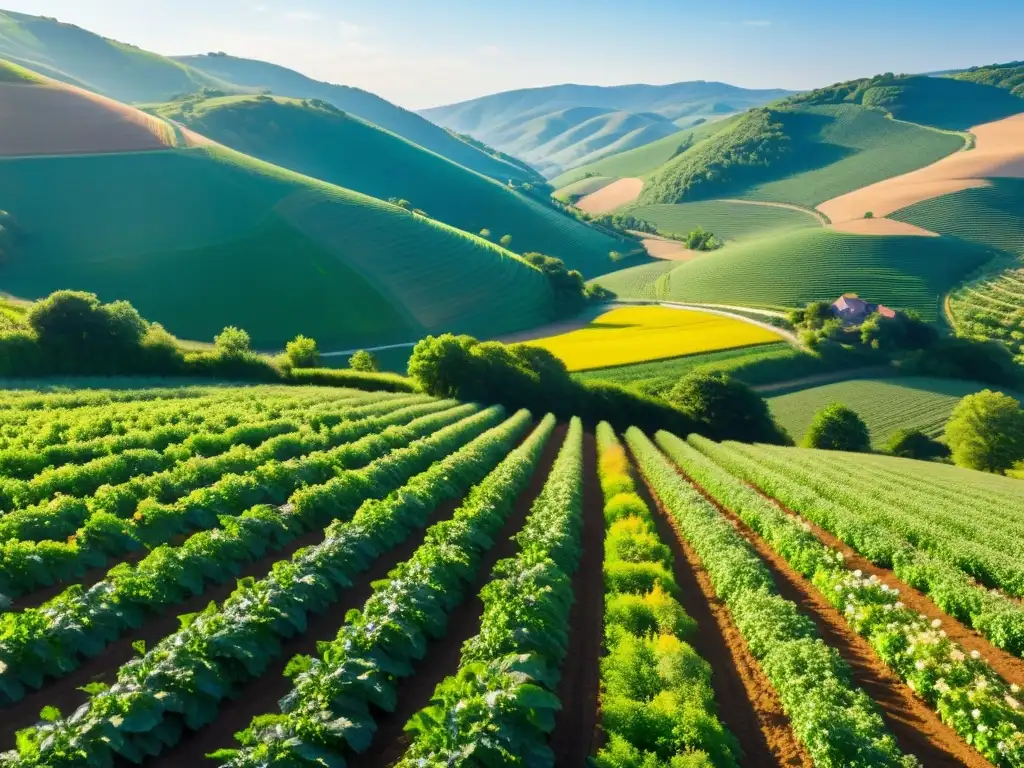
1008	76
559	127
198	237
317	139
260	75
73	55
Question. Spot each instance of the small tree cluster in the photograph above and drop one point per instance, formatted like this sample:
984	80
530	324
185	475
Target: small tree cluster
986	432
567	285
302	352
701	240
838	428
364	362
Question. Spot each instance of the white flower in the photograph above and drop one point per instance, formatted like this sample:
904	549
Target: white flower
982	728
858	573
975	713
920	666
936	623
1015	688
941	686
898	603
1014	704
956	654
885	587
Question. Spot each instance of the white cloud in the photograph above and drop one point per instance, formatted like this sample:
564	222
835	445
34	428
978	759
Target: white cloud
757	23
300	16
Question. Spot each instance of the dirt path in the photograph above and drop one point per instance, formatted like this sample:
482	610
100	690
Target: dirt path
612	196
573	740
442	658
261	696
747	703
825	378
916	727
809	211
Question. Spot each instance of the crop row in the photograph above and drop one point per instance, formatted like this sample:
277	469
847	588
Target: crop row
947	530
500	706
49	641
968	695
657	702
836	721
997	617
28	565
328	712
198	435
181	682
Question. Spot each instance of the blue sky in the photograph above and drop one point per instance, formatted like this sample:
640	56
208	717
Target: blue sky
421	53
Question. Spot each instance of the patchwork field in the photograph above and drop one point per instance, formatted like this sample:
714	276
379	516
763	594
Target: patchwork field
635	334
998	152
220	571
852	147
52	119
793	268
728	219
886	405
611	196
993	308
583	187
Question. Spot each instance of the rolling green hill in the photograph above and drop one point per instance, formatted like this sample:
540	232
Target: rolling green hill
71	54
801	154
559	127
319	140
951	103
793	268
1008	76
886	405
729	220
639	282
260	75
205	237
992	215
582	188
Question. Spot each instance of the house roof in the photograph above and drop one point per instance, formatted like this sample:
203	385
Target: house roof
884	311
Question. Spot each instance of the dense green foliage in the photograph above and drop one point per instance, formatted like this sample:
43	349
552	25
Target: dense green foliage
725	409
302	352
729	220
1009	76
318	140
837	428
914	444
518	375
986	432
316	259
794	268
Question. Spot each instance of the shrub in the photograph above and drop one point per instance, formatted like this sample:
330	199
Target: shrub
302	352
364	362
986	432
506	241
986	361
700	240
333	377
725	408
837	428
914	444
869	215
485	234
232	342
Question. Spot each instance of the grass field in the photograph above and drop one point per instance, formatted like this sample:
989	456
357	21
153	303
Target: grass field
636	334
583	187
351	153
728	220
852	147
886	405
12	73
223	239
992	215
794	268
643	281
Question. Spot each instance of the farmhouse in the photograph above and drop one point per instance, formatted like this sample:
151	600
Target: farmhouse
853	310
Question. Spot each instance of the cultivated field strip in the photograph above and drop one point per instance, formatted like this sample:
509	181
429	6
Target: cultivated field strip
961	687
670	710
180	684
999	618
523	641
331	707
129	518
837	722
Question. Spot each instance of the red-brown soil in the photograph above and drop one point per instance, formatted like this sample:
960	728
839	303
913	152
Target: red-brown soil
442	659
747	703
63	120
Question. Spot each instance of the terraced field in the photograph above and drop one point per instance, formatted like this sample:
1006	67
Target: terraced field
886	405
354	572
727	219
791	269
637	334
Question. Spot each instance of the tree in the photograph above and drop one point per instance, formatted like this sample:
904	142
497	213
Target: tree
364	361
986	432
506	241
302	352
233	342
567	285
914	444
485	234
837	428
700	240
725	408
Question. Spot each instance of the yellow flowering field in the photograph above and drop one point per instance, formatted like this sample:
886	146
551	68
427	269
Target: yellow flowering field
639	334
